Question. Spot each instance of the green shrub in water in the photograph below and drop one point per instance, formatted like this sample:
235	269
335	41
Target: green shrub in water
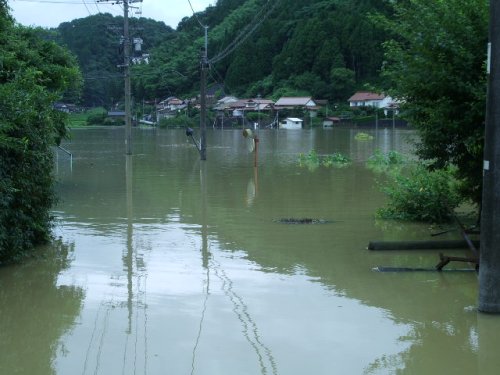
363	137
380	162
312	160
428	196
336	159
309	160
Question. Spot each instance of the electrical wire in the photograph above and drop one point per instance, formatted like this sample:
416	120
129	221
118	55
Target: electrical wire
96	6
195	15
249	328
86	7
219	79
246	32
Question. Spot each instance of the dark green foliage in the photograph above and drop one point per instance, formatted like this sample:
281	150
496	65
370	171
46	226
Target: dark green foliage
336	159
390	162
312	160
96	118
428	196
437	65
95	40
33	76
180	121
320	48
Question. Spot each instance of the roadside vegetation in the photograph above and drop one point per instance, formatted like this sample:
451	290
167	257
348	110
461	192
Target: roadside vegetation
436	63
422	195
34	74
414	192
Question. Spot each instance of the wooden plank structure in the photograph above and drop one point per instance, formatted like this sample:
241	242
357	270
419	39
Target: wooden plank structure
444	260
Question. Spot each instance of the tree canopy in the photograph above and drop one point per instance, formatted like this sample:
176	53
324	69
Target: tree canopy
34	74
323	48
436	66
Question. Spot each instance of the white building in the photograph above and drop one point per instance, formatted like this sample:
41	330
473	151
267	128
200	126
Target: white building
291	123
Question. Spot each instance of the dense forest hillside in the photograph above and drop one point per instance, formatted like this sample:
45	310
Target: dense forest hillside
323	48
98	45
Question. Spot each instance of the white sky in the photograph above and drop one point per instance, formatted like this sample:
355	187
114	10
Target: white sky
50	13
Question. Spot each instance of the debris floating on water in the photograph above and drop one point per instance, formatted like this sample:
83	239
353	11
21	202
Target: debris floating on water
306	220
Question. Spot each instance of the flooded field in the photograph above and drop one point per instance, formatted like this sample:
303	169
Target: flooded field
164	264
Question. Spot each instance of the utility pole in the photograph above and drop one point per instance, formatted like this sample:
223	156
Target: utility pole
489	266
126	67
203	99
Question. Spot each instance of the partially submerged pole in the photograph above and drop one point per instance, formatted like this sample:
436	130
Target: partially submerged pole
247	133
489	270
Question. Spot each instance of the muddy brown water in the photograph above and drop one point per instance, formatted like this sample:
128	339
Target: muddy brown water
167	265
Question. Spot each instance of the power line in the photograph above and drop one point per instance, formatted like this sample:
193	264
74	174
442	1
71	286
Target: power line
195	15
246	32
96	6
86	7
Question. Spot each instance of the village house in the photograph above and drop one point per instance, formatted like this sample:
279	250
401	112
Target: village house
224	103
366	99
371	99
329	122
238	108
296	102
169	107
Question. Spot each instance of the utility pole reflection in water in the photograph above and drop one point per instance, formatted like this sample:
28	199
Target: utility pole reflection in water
204	249
250	329
133	265
205	255
128	258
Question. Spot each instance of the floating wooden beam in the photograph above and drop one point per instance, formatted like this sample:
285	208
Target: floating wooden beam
418	269
419	245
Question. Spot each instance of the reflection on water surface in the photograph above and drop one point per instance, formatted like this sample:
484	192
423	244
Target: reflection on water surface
180	267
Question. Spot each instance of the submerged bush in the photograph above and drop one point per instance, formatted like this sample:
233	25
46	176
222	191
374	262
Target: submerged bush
336	159
363	137
380	162
312	160
428	196
309	160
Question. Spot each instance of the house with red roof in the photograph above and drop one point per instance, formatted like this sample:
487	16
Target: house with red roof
367	99
373	99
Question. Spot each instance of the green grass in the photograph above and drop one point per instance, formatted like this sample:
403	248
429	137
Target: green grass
79	120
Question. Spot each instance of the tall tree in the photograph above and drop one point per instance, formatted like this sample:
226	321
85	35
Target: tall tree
437	68
34	75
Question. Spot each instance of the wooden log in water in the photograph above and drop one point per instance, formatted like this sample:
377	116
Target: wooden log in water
419	269
419	245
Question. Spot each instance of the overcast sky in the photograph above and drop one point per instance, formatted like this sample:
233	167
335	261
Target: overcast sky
50	13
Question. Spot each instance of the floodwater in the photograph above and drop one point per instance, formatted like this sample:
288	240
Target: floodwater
164	264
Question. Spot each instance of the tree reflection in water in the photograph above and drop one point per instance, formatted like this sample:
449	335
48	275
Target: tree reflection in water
35	312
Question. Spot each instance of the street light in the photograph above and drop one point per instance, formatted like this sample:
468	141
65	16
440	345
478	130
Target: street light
248	133
189	134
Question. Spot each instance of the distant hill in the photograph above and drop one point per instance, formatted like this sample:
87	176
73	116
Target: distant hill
323	48
97	42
